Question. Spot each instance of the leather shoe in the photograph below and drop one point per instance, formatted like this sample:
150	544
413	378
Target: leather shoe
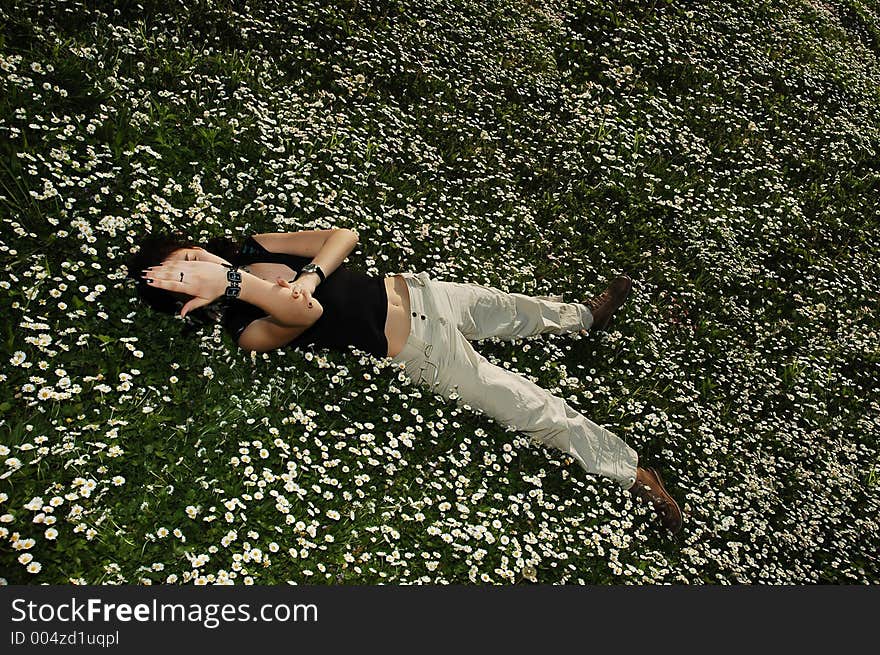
649	487
607	302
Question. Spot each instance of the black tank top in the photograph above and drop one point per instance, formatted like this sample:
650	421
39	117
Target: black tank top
355	305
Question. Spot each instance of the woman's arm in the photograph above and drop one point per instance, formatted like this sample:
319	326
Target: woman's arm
336	248
276	301
204	282
327	248
265	334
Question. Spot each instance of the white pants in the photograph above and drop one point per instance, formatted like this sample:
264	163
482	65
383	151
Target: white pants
439	356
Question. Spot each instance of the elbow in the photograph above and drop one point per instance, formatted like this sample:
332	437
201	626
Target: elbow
352	235
300	315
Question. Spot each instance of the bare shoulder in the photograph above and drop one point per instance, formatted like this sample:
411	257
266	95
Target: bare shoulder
265	334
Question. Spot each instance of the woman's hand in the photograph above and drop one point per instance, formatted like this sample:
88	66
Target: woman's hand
303	286
204	281
310	307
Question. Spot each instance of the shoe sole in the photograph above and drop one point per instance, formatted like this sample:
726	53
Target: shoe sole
663	487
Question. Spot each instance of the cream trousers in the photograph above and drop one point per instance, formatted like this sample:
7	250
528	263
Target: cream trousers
438	355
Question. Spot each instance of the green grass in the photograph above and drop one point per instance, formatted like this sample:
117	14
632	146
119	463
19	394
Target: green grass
726	156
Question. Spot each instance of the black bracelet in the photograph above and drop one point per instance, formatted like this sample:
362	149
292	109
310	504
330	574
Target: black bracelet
233	276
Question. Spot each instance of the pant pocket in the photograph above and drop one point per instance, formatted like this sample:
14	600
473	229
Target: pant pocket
428	375
416	359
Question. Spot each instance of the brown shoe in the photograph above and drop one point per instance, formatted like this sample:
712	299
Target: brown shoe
607	302
649	487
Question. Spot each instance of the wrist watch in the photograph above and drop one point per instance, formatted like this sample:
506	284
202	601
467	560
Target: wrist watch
233	276
312	268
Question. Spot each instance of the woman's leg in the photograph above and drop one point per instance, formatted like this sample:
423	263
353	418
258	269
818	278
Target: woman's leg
481	312
452	368
438	356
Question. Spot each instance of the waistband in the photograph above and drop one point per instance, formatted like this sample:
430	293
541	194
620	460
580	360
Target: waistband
416	283
421	309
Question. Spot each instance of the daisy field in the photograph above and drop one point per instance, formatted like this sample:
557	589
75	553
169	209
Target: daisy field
725	155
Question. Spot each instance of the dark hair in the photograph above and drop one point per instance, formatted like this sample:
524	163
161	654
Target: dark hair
153	250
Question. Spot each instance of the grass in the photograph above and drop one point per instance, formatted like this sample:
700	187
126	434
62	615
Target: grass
724	155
